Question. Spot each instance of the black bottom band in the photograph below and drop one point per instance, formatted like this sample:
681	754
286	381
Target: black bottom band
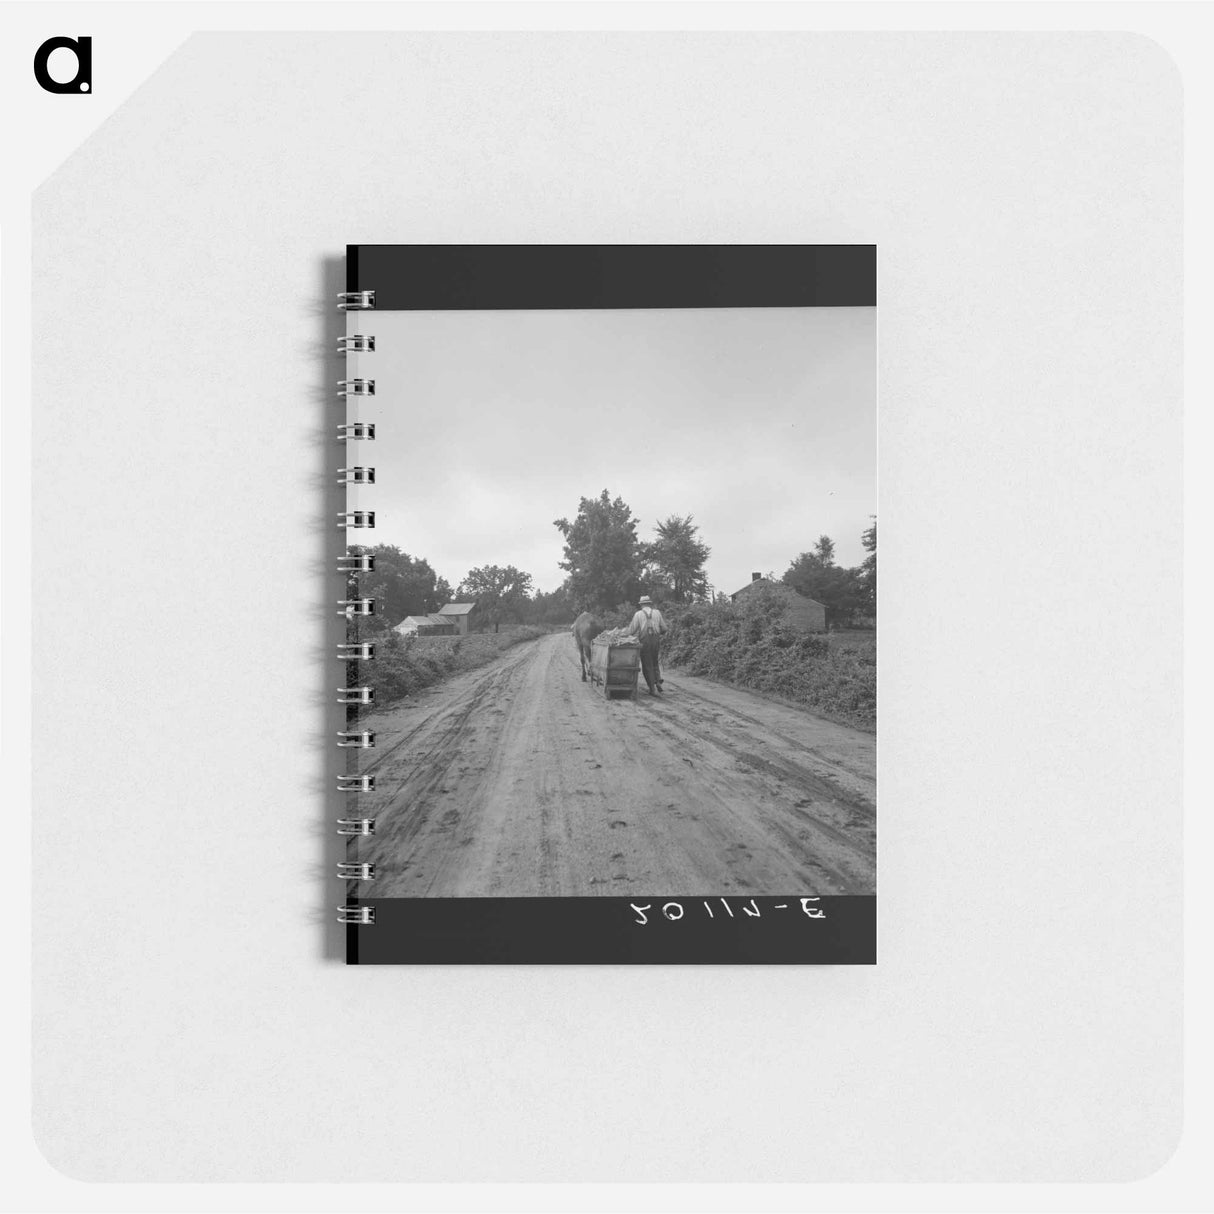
651	930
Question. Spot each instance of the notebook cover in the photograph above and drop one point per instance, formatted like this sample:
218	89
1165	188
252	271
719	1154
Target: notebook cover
559	431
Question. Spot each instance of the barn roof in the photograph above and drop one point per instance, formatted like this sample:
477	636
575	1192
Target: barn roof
768	584
433	618
457	609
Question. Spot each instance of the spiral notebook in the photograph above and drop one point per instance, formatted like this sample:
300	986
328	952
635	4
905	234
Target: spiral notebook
609	589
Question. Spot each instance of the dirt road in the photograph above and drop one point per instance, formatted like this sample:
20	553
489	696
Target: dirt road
521	780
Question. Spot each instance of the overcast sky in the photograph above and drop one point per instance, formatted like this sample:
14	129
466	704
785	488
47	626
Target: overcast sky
760	422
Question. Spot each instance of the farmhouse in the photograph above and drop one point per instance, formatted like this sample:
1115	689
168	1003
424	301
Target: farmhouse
449	621
805	613
459	614
426	626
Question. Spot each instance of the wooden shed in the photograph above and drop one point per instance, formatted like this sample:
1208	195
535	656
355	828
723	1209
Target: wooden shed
459	614
803	612
426	626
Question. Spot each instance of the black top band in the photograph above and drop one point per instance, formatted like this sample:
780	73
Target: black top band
447	277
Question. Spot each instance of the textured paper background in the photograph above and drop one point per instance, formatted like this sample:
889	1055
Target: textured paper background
1024	1020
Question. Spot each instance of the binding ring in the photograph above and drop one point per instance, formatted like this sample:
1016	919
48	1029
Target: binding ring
356	387
356	562
356	518
357	607
349	431
355	872
355	695
362	740
356	476
355	783
355	343
356	826
356	301
362	915
357	651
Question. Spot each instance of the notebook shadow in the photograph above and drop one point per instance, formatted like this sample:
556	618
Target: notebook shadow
329	671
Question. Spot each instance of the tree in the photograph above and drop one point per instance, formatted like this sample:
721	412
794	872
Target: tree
815	575
548	608
602	555
499	592
675	560
402	585
868	566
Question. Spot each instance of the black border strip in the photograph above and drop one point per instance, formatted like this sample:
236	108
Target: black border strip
457	277
699	929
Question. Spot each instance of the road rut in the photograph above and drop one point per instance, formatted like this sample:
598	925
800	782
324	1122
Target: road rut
520	780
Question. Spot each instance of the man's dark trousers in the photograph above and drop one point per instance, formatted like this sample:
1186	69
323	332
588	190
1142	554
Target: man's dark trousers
649	661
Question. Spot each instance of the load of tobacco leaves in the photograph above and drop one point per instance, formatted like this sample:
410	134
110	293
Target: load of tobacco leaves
616	636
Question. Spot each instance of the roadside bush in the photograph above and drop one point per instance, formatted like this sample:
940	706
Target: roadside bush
618	617
752	645
404	665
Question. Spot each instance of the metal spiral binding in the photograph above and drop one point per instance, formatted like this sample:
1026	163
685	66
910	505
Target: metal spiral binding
351	564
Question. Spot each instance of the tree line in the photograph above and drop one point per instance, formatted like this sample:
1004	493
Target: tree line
849	595
608	565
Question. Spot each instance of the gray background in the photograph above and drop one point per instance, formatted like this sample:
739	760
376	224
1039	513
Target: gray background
1024	1020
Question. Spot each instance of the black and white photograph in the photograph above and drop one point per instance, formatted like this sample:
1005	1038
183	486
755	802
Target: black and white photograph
624	587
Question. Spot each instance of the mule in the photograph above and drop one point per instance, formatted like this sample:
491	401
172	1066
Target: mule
585	628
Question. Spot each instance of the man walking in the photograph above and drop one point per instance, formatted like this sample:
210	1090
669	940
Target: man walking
649	625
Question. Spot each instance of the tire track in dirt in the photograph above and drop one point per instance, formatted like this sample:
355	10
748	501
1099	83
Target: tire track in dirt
782	774
521	780
434	758
455	717
745	725
777	792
